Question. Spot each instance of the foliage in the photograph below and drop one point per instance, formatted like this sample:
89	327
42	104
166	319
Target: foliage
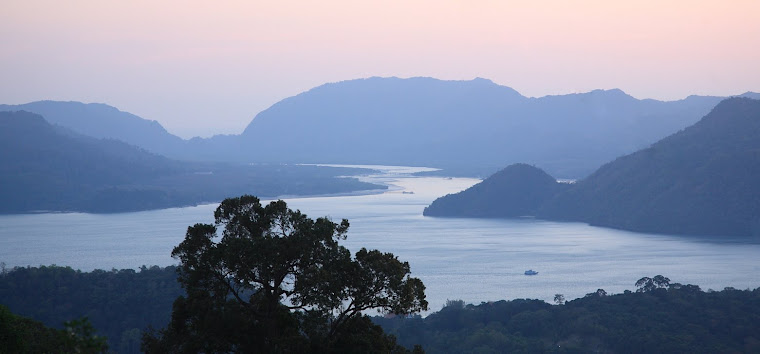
649	284
119	303
671	318
23	335
80	334
278	281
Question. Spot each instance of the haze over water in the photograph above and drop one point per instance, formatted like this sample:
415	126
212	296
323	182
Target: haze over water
470	259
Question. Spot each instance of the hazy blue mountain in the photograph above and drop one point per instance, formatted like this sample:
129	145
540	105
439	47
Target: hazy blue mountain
43	167
102	121
699	181
470	127
455	124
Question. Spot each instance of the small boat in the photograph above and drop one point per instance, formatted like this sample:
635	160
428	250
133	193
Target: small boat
531	272
407	192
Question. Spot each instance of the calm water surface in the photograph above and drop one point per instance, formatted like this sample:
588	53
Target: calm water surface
470	259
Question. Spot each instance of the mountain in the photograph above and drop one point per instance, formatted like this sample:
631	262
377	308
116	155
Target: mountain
701	180
461	124
102	121
518	190
42	168
466	127
48	168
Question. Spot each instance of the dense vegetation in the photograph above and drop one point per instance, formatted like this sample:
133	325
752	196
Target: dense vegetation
47	168
279	282
659	317
120	304
699	181
673	318
23	335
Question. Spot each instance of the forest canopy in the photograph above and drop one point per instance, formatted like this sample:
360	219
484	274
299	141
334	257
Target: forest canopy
278	281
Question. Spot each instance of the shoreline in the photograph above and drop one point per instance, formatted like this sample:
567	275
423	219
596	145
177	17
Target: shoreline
383	177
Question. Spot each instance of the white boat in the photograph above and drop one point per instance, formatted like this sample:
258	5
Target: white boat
531	272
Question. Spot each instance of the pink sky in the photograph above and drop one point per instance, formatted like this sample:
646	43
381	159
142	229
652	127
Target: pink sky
202	68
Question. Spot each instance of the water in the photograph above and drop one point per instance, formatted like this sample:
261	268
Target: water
474	260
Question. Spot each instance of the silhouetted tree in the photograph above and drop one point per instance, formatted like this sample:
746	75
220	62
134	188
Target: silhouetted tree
647	284
644	284
597	293
661	281
278	281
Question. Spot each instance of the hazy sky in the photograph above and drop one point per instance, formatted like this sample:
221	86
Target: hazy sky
202	68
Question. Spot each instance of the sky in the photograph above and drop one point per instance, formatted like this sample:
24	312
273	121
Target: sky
208	67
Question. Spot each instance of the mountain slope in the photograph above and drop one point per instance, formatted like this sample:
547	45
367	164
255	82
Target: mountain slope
105	122
699	181
702	181
450	124
46	168
43	169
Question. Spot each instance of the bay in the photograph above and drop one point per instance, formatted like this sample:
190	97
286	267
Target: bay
475	260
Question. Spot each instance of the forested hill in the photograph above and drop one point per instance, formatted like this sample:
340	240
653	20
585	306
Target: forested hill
659	317
518	190
459	124
672	319
48	168
699	181
120	304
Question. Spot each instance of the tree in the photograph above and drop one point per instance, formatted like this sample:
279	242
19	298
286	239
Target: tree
80	335
647	284
24	335
279	281
559	299
644	284
597	293
661	281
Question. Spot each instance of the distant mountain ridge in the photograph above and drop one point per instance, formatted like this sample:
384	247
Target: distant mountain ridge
102	121
701	180
474	126
453	124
